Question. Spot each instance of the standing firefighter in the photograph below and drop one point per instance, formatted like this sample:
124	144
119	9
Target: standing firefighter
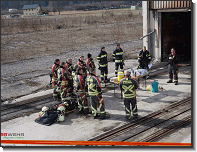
129	86
69	69
80	90
95	92
54	77
103	64
63	82
83	65
173	66
144	59
118	58
90	62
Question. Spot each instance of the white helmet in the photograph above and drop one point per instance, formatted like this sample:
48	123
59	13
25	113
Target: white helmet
61	117
62	109
44	109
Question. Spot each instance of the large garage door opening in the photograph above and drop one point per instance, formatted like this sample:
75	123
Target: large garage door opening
176	32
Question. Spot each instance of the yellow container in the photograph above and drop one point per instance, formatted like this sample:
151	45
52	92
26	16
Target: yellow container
120	75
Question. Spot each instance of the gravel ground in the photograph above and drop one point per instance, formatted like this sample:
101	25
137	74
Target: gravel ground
22	77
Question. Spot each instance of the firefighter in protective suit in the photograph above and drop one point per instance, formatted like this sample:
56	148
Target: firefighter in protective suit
63	83
129	86
69	69
118	58
54	77
173	66
95	92
79	85
103	64
90	62
144	59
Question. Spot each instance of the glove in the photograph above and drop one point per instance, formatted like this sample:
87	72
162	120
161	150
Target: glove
99	67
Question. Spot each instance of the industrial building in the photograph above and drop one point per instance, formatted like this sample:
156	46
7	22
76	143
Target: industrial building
167	24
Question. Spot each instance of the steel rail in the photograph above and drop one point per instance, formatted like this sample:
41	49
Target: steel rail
145	119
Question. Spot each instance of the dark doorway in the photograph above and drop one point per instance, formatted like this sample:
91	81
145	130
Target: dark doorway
176	32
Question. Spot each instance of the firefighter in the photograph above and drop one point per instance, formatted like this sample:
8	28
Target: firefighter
82	64
103	64
90	62
63	82
69	69
173	66
54	77
95	92
80	90
129	86
144	59
118	58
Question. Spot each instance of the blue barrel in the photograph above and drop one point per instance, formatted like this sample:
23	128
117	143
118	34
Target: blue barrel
154	86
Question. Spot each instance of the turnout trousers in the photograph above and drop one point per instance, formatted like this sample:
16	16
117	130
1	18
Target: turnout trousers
144	64
133	103
97	101
117	64
104	72
56	93
83	103
63	92
70	86
173	70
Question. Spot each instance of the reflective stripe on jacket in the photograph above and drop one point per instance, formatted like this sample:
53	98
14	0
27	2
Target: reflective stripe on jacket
94	86
118	55
102	58
128	86
62	77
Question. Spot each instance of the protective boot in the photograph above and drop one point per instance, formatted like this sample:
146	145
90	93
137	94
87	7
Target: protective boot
169	81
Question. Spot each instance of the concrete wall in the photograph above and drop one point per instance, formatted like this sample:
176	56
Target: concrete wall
151	22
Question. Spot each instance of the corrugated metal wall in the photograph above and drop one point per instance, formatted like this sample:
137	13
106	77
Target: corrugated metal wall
170	4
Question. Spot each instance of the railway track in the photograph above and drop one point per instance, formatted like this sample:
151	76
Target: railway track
11	111
152	127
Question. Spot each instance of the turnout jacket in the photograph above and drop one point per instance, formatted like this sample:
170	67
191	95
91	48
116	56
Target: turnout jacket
102	59
94	86
69	69
62	76
82	64
54	70
118	55
144	56
128	86
79	83
90	64
174	59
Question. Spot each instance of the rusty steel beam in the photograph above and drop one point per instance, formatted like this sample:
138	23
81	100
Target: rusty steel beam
169	4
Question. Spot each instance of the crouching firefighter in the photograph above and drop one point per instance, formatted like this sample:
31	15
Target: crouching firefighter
63	83
79	84
54	77
95	92
129	86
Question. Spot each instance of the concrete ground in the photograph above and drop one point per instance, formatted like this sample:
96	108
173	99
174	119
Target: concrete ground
82	128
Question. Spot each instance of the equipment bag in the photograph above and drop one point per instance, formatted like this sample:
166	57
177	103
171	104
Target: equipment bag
48	118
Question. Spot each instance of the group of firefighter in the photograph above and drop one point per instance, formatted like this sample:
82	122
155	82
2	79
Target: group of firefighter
78	80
